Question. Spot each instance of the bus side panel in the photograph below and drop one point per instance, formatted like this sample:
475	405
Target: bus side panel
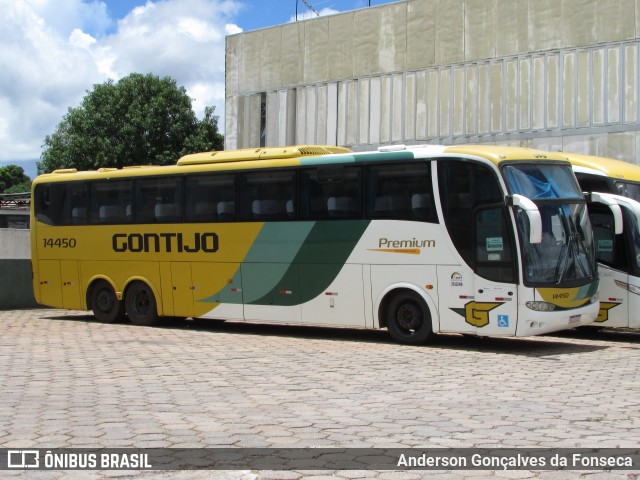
215	283
70	280
634	303
341	303
166	288
49	283
182	289
456	289
271	292
614	299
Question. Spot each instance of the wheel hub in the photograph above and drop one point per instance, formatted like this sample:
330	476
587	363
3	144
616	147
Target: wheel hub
409	317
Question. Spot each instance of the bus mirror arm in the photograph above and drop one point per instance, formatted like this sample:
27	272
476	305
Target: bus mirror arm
630	204
610	201
533	214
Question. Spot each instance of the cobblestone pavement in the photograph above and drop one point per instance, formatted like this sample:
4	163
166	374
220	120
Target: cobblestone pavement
68	381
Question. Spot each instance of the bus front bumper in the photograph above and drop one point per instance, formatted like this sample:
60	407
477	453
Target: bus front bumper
531	322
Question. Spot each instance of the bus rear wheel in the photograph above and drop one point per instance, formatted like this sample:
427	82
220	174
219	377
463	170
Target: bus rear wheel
409	319
140	303
105	304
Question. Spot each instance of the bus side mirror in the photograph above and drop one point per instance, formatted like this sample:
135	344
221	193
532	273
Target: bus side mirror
630	204
533	214
611	202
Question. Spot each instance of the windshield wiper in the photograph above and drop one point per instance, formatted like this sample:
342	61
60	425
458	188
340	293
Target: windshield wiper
572	250
563	261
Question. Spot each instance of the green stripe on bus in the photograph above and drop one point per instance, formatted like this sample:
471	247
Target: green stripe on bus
322	256
273	250
346	158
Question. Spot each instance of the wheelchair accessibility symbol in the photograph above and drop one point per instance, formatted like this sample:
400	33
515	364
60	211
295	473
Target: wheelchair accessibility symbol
503	320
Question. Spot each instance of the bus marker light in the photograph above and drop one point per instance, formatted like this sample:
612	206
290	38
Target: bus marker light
429	287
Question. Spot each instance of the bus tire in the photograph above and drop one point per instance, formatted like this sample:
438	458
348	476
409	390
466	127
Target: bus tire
105	304
409	319
140	303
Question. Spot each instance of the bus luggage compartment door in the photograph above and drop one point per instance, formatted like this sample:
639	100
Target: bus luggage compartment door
70	279
271	292
182	289
335	294
49	283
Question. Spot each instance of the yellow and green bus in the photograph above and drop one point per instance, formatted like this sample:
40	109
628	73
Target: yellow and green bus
481	240
617	251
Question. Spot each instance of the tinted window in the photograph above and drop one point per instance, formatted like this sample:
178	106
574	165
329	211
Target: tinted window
75	203
111	201
48	201
593	183
211	198
400	192
159	200
610	248
628	189
331	193
494	250
476	219
267	196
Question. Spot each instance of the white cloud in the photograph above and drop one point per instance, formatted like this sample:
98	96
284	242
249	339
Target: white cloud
53	51
305	13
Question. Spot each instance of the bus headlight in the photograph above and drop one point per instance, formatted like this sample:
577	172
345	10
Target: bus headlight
541	306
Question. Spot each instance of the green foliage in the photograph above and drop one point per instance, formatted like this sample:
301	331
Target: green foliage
13	180
140	120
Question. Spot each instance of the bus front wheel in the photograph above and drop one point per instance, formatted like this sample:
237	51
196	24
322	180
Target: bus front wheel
140	303
408	319
104	303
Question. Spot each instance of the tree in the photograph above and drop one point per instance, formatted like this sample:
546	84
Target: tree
140	120
13	180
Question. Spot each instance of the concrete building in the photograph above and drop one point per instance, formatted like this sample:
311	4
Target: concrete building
551	74
16	289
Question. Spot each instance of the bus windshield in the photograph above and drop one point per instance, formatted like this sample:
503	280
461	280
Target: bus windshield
566	254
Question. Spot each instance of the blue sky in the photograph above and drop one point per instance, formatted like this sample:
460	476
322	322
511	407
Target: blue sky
260	14
52	52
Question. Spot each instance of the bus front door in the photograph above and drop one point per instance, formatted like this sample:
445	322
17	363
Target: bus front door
495	292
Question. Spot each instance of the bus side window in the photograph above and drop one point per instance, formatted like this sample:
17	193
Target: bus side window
467	190
110	201
210	198
594	183
159	200
48	203
609	248
331	193
74	205
400	192
268	196
494	253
